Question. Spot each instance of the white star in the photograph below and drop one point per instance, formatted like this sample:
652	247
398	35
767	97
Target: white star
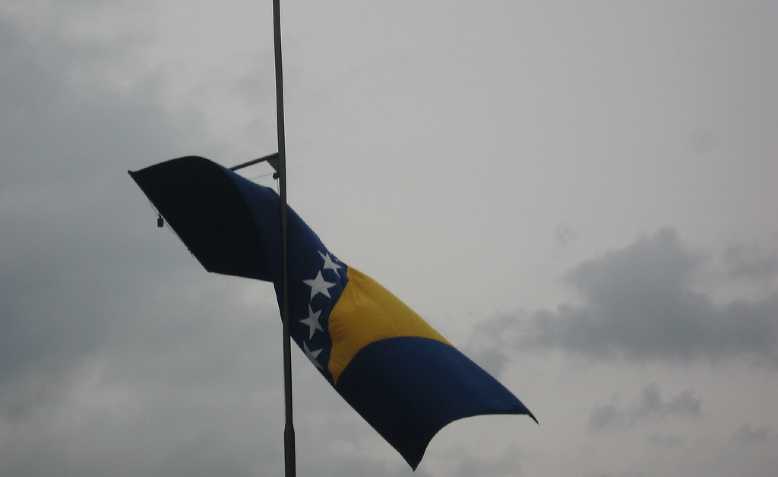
312	322
319	285
312	355
329	264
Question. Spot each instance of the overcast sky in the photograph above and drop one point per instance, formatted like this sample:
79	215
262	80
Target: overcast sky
580	195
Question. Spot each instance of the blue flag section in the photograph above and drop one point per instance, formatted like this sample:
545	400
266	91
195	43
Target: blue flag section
392	367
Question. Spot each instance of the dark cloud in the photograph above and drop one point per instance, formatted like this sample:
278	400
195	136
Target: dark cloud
118	354
62	220
649	406
639	303
750	262
747	435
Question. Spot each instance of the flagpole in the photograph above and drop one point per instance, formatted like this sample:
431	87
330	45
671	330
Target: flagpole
289	453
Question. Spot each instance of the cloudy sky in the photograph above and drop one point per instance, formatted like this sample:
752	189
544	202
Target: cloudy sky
580	195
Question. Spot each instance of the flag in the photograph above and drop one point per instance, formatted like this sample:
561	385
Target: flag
391	366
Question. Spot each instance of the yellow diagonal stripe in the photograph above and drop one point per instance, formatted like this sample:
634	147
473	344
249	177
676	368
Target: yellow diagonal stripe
367	312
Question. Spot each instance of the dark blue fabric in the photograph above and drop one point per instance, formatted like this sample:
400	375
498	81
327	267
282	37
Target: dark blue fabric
232	226
203	206
409	388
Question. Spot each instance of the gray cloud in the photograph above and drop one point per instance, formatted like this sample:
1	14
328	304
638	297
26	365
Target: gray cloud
630	473
639	303
493	342
62	229
649	406
750	262
748	435
355	466
666	441
507	464
564	235
118	355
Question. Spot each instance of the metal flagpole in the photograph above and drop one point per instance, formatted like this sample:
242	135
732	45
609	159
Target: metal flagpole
289	454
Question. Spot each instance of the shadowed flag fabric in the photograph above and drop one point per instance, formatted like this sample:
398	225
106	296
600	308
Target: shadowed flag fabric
392	367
